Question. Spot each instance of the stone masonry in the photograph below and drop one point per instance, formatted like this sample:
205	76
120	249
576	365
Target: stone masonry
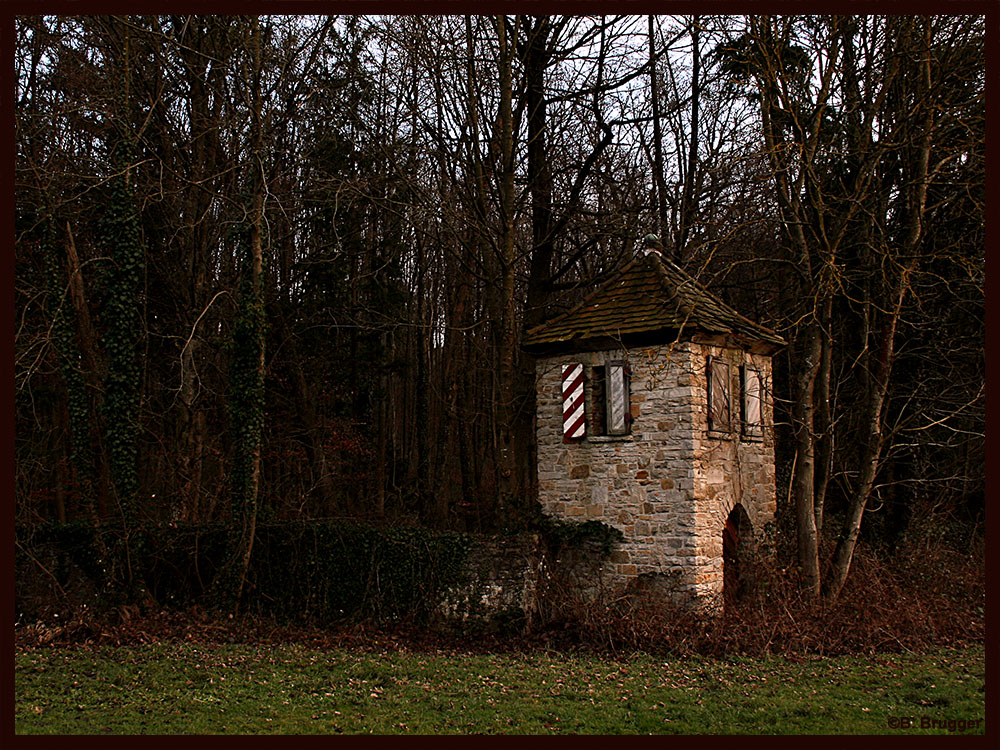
670	484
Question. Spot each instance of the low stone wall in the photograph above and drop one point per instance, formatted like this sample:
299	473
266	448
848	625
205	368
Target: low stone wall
502	582
518	581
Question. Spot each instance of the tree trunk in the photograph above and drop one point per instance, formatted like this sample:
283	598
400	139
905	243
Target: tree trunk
659	185
195	257
824	423
251	366
123	313
899	270
803	411
506	308
304	401
99	484
539	172
689	205
844	552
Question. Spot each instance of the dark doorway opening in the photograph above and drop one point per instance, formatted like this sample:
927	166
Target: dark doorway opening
737	545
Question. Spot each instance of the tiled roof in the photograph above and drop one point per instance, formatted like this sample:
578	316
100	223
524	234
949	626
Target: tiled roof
650	294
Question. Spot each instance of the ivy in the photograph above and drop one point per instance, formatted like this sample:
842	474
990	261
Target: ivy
320	571
246	415
246	386
597	535
332	571
122	241
64	340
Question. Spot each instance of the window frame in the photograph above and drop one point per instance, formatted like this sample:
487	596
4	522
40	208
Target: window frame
626	406
714	367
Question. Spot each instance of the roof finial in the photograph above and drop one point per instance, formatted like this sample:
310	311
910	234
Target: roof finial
652	244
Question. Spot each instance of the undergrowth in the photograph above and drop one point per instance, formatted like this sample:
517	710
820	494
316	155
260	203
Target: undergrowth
913	600
925	593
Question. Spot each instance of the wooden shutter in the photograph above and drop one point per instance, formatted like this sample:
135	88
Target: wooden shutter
753	427
574	422
720	404
617	389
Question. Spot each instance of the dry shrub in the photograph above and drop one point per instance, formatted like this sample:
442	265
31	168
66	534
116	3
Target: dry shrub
914	599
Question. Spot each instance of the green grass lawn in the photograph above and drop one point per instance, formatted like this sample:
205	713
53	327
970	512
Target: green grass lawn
248	689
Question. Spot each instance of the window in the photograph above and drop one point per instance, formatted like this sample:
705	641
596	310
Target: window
606	410
597	421
751	389
720	399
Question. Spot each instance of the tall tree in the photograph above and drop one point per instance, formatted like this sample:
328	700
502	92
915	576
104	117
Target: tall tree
247	369
849	118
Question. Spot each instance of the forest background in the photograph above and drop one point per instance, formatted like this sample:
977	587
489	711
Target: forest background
276	268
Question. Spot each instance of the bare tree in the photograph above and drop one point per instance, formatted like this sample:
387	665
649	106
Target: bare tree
850	112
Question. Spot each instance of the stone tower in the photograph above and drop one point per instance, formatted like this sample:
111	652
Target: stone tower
655	416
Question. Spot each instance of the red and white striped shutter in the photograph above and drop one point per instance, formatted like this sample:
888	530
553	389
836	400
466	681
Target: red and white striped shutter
574	421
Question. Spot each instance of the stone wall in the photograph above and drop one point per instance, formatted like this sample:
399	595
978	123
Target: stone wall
669	485
515	582
502	580
729	469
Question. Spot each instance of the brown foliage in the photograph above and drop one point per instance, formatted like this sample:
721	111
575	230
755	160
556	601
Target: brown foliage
914	599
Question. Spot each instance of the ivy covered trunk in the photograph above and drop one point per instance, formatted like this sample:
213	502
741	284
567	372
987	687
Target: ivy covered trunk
247	420
247	367
123	318
77	368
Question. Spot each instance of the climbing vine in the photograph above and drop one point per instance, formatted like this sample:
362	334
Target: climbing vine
246	378
246	416
597	535
123	242
68	352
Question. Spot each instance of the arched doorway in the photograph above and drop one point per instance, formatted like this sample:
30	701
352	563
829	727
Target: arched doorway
737	542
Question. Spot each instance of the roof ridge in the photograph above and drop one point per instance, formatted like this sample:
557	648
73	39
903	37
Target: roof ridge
668	264
661	265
